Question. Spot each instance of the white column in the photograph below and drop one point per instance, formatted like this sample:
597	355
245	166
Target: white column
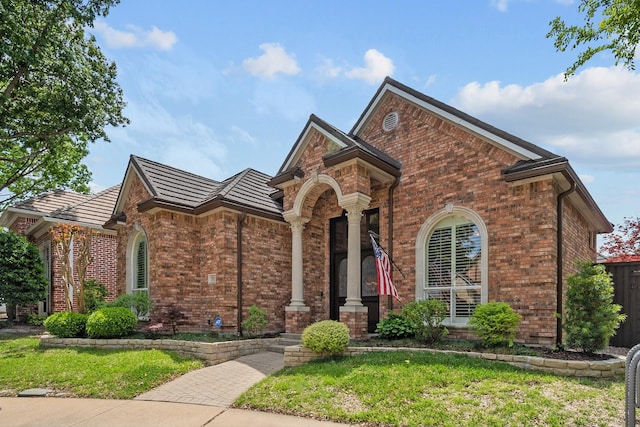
297	284
354	296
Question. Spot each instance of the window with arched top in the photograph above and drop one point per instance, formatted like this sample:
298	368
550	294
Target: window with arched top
452	262
138	264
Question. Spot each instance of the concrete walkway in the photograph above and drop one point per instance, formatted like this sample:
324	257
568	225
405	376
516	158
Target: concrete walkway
196	399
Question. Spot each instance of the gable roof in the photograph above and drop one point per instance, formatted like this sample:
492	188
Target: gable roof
66	206
175	189
523	149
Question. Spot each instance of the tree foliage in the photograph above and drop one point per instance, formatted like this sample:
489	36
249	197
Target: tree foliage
624	244
609	25
57	94
22	280
591	318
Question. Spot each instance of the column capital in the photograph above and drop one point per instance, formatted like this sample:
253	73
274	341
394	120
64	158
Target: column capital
355	201
295	220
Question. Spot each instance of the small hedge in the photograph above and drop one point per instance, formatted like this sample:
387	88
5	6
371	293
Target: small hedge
495	323
326	337
395	326
111	322
66	324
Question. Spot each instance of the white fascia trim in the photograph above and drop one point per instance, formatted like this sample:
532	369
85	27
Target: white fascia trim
296	154
508	145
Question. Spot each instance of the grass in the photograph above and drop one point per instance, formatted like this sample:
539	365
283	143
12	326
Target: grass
86	372
420	389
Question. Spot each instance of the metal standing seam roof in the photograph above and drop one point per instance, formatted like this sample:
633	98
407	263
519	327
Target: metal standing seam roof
180	188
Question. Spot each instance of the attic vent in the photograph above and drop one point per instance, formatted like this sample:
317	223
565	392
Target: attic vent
390	121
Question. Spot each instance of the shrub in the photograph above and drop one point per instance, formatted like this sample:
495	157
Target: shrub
94	294
35	319
591	318
137	301
111	322
66	324
256	321
326	337
426	317
174	316
495	323
394	326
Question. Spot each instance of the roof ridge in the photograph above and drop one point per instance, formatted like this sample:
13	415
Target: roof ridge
138	158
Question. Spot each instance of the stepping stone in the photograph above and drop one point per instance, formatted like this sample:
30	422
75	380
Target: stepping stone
35	392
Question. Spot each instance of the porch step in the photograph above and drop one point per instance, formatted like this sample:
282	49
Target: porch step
290	339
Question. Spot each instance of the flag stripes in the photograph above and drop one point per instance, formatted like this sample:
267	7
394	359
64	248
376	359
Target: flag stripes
383	270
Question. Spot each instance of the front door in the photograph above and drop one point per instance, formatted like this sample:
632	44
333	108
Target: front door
338	286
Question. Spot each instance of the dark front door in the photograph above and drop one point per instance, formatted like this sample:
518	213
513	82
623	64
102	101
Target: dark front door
338	285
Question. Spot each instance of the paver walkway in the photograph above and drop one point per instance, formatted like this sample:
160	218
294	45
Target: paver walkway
219	385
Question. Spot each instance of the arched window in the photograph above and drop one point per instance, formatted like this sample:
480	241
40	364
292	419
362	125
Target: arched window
138	264
452	250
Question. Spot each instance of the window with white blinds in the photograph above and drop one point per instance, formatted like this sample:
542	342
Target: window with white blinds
453	271
140	266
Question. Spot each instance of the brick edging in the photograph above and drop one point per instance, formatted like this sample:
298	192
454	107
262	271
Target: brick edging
212	353
297	355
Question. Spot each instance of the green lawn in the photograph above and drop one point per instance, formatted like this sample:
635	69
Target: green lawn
86	372
420	389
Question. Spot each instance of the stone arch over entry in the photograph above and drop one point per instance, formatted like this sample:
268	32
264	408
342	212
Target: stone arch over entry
353	312
310	191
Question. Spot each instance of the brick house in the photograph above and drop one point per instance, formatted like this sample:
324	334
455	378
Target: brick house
468	212
34	218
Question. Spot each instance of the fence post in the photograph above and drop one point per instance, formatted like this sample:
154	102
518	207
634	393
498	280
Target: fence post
632	384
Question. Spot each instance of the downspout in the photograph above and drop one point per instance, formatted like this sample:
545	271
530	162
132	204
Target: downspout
390	231
239	304
559	258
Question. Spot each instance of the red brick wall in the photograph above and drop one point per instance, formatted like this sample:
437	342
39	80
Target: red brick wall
185	250
443	164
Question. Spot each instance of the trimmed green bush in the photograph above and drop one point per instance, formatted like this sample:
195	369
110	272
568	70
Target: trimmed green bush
495	323
591	318
426	317
255	322
395	326
66	324
138	301
326	337
111	322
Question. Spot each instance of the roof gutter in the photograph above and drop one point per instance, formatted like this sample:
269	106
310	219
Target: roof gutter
559	255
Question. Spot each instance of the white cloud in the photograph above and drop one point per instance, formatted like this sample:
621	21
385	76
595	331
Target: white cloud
275	60
592	118
135	37
587	179
327	69
377	67
501	5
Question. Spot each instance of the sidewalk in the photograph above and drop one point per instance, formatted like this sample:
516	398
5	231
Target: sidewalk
198	398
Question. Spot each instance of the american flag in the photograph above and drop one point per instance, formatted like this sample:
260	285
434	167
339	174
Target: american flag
383	270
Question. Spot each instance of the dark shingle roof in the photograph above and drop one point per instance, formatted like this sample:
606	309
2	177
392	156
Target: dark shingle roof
173	185
175	188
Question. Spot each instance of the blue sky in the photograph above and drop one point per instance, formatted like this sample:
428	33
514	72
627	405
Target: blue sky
215	87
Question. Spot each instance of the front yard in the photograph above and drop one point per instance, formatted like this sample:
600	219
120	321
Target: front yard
86	372
421	389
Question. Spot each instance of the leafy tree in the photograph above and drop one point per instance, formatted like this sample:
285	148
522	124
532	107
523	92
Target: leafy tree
625	244
22	280
591	318
57	93
612	25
